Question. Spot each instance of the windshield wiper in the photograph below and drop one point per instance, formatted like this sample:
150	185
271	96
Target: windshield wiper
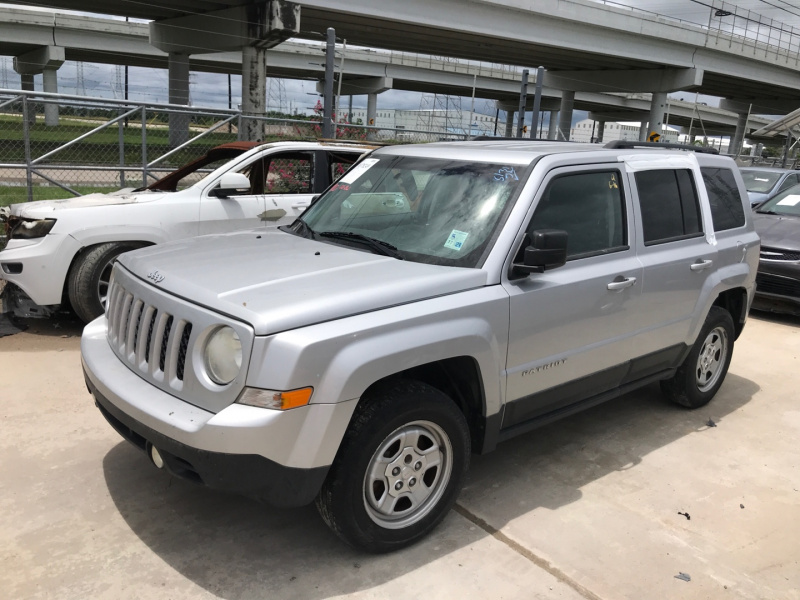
379	246
767	212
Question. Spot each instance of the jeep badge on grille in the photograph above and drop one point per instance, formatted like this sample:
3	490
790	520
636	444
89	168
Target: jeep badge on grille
155	276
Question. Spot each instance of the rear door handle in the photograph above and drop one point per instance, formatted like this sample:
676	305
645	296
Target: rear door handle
620	283
701	264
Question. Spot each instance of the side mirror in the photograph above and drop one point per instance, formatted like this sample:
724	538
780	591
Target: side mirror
231	184
547	250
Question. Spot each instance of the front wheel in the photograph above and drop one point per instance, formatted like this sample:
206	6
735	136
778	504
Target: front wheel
399	469
700	376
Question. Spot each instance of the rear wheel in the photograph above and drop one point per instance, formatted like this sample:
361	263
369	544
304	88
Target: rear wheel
399	469
700	376
89	277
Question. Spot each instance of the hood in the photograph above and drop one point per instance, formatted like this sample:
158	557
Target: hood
277	281
757	197
778	231
43	209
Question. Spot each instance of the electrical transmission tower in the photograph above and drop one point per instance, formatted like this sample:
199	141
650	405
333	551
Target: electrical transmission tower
276	95
80	83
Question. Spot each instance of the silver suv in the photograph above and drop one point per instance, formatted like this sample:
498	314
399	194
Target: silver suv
437	300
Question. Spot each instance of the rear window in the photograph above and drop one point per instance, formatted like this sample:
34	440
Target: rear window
668	200
727	208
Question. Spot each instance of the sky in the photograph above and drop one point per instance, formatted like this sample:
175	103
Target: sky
211	90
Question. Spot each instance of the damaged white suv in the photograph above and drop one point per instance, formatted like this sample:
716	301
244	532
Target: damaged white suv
437	300
62	250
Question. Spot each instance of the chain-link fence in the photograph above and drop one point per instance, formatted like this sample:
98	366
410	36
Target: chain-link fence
56	146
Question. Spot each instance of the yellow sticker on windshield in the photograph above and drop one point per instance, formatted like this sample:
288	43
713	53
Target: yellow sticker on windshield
456	239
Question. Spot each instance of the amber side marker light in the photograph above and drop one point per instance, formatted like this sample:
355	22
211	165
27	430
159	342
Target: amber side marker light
275	399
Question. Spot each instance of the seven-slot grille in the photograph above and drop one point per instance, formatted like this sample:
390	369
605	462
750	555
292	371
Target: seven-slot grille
149	339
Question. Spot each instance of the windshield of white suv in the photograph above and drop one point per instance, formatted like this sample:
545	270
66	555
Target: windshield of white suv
427	210
760	181
785	203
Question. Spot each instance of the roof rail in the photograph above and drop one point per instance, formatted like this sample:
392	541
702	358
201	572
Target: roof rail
617	144
495	138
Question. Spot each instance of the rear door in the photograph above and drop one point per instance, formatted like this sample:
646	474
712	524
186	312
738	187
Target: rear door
676	251
288	185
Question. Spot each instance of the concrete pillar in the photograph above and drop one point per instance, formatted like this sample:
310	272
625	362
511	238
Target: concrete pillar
178	94
372	114
658	106
601	128
738	138
50	85
254	92
552	127
509	123
565	114
643	131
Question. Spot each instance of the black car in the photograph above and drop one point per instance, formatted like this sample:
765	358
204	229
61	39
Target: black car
777	221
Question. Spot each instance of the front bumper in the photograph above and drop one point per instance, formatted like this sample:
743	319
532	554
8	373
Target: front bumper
280	457
778	287
43	262
247	474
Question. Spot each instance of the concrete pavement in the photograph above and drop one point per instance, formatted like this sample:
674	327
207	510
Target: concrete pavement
584	508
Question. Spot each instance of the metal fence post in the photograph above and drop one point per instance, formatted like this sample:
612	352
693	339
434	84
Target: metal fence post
144	147
122	154
26	134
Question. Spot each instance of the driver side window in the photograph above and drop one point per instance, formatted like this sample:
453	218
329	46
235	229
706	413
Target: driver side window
590	207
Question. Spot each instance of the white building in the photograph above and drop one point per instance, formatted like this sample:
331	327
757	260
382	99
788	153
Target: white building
439	121
588	131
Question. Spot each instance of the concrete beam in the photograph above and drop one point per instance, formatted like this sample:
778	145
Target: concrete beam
649	80
36	61
760	106
362	85
548	103
265	25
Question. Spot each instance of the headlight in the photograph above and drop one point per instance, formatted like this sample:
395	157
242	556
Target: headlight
223	355
28	229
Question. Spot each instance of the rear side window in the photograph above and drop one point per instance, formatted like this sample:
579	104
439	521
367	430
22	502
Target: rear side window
668	200
727	208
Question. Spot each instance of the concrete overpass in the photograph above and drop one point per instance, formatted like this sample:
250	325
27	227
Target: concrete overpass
588	48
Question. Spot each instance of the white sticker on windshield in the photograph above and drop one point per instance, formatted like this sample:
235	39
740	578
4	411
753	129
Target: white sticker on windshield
358	170
760	179
456	239
789	201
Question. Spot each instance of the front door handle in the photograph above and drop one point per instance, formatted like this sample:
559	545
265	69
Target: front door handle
701	264
620	283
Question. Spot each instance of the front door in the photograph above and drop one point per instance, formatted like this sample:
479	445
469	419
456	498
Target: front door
571	328
239	211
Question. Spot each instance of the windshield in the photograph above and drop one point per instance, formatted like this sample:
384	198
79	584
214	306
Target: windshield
429	210
785	203
760	181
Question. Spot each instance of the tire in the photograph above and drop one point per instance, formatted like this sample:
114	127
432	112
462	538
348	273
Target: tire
87	283
700	376
399	468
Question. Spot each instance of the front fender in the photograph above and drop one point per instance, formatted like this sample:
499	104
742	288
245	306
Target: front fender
342	358
91	236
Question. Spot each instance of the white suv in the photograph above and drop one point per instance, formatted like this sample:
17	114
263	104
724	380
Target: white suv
64	249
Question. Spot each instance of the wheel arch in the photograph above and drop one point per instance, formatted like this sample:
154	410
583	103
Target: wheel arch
735	302
460	379
88	248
